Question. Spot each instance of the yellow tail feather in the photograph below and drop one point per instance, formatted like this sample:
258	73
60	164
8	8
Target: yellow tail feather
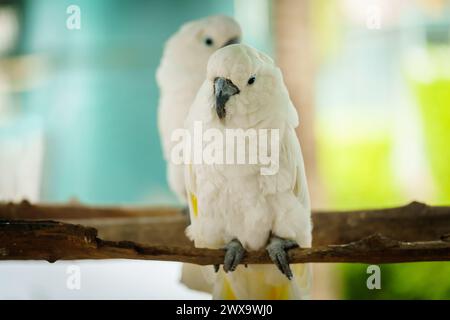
263	282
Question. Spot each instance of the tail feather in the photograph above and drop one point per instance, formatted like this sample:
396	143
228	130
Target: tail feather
199	278
263	282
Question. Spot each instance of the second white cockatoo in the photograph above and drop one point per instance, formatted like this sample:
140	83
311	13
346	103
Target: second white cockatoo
179	76
255	204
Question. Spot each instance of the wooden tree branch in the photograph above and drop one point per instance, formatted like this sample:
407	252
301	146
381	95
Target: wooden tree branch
52	241
415	233
165	226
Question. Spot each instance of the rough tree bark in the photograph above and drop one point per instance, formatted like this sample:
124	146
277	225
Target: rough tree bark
413	222
416	232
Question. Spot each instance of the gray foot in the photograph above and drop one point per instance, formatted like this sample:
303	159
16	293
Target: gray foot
277	249
233	255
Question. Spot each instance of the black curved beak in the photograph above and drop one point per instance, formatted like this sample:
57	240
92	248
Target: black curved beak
223	90
234	40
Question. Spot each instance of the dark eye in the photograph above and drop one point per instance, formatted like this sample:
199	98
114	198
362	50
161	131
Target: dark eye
251	80
209	42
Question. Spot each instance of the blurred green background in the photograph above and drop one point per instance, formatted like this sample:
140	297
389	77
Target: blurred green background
78	108
385	141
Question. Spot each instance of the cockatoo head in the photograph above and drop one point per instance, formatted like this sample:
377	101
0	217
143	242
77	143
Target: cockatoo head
245	82
197	40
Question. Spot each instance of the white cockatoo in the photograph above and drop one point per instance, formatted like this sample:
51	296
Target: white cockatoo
248	206
181	73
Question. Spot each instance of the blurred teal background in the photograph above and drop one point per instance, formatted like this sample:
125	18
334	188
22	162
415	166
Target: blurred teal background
99	99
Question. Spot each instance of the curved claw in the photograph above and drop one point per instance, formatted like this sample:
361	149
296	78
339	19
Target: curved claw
233	255
277	250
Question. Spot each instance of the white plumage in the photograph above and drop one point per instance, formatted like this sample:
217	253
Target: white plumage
238	202
179	76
